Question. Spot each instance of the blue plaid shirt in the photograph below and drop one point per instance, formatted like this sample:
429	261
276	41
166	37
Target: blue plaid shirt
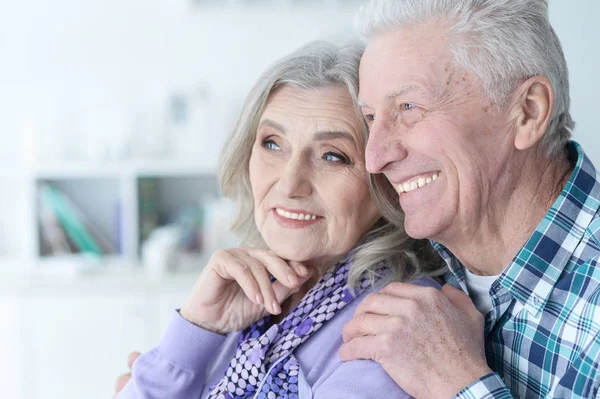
543	332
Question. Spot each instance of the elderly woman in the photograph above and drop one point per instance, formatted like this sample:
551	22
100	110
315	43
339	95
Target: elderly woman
265	321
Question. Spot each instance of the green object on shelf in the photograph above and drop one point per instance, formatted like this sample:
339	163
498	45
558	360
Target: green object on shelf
74	227
148	206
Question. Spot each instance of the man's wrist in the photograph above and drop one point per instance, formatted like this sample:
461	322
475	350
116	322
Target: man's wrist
487	386
466	379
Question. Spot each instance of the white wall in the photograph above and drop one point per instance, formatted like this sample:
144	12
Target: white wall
87	65
69	64
576	23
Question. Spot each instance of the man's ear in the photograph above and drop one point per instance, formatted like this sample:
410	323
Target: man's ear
533	103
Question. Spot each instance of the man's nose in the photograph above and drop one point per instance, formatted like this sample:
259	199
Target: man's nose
384	147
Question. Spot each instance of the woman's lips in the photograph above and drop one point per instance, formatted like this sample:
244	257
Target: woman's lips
294	219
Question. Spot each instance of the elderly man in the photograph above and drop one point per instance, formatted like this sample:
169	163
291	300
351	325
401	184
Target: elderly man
468	107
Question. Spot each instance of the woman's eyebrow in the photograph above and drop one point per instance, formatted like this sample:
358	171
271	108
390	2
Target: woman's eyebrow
329	135
273	124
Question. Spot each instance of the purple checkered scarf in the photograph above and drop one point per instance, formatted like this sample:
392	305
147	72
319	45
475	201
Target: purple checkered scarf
265	361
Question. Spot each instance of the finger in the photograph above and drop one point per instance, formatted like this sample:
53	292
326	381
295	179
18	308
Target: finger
234	269
132	358
407	290
279	268
381	304
282	292
459	299
224	268
121	382
359	348
301	269
262	278
366	324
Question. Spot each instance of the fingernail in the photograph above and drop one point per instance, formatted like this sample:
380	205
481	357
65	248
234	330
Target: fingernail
276	307
259	299
292	279
302	270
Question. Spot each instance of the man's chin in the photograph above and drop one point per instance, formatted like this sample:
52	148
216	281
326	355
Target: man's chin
418	229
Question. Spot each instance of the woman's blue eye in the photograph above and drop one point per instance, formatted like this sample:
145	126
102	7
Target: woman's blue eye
333	157
369	117
407	106
270	145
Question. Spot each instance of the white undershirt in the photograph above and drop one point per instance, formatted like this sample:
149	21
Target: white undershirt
479	290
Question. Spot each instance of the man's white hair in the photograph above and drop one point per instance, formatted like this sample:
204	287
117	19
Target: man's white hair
503	42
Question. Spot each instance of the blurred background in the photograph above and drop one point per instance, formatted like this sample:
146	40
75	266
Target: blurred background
112	116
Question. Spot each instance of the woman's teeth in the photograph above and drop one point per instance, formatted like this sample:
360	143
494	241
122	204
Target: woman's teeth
416	184
295	216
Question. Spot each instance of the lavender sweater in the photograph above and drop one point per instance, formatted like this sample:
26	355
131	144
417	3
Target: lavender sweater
189	360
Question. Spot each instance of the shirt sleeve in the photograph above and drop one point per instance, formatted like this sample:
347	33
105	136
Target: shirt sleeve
490	386
359	379
176	368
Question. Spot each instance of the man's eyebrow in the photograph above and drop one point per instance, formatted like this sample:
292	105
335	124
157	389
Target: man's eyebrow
403	90
396	93
273	124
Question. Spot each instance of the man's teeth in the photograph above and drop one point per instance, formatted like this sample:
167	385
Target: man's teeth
295	216
415	184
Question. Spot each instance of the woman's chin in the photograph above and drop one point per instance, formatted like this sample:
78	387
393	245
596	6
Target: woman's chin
301	255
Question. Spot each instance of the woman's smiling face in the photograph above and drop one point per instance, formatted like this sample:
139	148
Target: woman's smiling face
308	176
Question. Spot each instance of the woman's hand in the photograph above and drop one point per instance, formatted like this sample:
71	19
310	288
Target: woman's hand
235	290
124	378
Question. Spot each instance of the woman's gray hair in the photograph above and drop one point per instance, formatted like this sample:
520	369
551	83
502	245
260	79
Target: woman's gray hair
318	65
504	42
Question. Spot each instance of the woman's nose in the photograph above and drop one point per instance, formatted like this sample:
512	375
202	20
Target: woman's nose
294	181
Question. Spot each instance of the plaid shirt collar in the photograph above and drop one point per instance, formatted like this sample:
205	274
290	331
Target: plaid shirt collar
534	271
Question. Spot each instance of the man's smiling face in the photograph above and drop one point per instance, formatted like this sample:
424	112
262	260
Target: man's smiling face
435	136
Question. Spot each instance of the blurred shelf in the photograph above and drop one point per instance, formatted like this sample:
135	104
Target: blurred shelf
85	169
172	168
77	169
81	276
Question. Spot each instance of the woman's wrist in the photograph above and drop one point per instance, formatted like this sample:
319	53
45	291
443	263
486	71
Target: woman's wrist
188	316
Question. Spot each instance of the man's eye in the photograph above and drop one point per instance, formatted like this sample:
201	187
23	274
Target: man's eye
407	106
270	145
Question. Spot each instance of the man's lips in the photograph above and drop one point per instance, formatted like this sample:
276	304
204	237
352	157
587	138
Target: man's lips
415	182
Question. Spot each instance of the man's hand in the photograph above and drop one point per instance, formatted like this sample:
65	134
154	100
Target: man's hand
431	342
124	378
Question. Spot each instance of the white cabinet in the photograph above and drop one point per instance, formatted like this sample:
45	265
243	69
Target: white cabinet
68	338
77	345
11	358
